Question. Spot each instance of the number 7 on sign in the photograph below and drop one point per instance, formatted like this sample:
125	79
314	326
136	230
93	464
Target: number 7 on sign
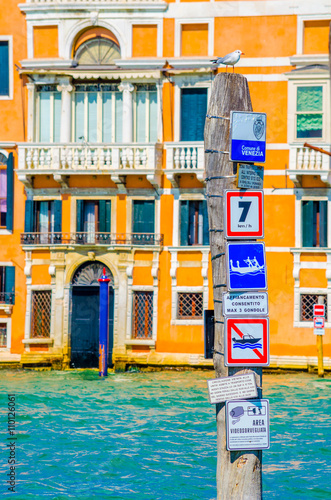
243	214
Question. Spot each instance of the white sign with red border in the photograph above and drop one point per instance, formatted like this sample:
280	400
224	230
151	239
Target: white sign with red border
246	342
319	310
244	214
319	322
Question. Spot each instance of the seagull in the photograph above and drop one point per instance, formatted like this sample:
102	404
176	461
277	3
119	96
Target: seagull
229	60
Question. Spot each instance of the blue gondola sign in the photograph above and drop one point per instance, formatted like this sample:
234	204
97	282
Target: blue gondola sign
246	267
248	136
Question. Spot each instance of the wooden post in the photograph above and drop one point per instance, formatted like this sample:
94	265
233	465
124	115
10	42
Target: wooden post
319	342
239	474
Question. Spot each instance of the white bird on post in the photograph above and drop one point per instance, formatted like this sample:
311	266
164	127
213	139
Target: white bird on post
229	60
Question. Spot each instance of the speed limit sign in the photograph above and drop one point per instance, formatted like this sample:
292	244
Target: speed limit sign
244	214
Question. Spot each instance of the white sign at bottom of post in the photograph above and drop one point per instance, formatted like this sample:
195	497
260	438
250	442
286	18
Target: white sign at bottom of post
247	425
236	387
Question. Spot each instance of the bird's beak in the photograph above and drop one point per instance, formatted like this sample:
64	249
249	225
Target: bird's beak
242	54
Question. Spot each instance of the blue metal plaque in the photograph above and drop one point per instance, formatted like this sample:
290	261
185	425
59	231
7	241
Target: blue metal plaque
248	137
246	266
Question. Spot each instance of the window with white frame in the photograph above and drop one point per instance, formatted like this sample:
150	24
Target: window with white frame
145	113
48	113
307	302
97	114
194	228
309	112
308	105
3	336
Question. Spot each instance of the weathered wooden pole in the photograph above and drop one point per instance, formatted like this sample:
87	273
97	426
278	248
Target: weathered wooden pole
319	342
239	473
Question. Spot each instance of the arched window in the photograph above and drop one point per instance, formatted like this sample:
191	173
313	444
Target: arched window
98	51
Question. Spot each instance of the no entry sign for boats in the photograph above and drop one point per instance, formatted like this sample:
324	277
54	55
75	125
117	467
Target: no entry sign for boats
244	214
246	266
246	342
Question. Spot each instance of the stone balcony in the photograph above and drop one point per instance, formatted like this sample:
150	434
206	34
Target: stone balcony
306	161
63	160
184	158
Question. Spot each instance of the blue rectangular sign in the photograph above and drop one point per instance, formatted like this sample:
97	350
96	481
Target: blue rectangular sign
248	137
246	266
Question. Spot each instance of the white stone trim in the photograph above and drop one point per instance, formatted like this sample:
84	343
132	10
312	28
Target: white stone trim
191	20
174	302
159	40
300	291
30	29
300	26
129	210
9	39
91	197
7	321
31	288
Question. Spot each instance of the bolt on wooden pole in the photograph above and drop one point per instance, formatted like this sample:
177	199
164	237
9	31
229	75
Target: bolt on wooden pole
239	473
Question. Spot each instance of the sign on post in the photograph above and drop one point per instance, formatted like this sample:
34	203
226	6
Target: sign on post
244	214
249	176
246	342
246	266
319	323
247	425
248	136
236	387
245	304
319	310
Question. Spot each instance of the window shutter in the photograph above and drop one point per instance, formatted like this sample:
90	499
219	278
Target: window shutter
192	125
10	192
102	216
28	224
10	285
4	68
149	217
323	224
108	216
79	216
205	223
307	223
57	216
136	217
184	226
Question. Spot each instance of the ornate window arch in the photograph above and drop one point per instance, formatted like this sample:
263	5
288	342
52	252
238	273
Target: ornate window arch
97	46
88	274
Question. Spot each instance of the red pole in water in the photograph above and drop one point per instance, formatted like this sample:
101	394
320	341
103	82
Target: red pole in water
103	324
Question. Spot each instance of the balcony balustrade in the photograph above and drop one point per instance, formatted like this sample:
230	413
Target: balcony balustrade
7	297
91	239
306	161
184	158
63	160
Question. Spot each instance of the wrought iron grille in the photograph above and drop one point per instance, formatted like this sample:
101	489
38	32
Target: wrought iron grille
307	306
3	335
190	306
142	315
41	314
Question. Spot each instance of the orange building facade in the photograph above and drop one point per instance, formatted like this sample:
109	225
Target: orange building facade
102	165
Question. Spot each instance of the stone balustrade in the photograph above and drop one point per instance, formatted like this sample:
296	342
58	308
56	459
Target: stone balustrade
184	157
306	161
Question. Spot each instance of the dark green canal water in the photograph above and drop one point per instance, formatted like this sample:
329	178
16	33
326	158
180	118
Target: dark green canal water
152	436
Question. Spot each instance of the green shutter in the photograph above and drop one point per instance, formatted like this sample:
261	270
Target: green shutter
28	223
193	113
149	217
307	223
57	216
10	284
4	67
136	216
323	224
184	226
102	216
10	192
79	216
205	223
108	216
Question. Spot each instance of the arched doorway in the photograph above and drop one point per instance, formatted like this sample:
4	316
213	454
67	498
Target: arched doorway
85	316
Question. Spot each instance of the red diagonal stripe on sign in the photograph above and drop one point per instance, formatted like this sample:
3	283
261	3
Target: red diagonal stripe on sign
259	355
